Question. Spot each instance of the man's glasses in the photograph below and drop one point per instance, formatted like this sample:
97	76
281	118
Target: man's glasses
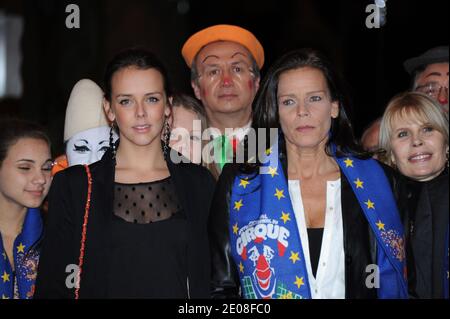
432	89
215	72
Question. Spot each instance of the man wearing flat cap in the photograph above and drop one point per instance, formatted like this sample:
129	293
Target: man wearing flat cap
429	73
225	63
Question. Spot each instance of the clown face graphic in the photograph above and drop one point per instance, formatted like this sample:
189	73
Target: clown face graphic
263	273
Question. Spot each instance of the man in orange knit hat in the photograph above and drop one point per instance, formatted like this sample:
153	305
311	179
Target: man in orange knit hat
225	63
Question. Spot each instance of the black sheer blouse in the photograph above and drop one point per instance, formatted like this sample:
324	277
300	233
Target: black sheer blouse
148	242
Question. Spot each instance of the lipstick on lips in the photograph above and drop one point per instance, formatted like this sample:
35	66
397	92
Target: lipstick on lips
420	157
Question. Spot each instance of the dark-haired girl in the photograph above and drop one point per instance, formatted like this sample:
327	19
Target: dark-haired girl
25	177
132	225
317	220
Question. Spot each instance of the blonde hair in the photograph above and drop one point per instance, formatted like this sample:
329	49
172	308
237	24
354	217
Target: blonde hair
413	106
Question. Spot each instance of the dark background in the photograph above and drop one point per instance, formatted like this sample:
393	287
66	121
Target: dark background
55	58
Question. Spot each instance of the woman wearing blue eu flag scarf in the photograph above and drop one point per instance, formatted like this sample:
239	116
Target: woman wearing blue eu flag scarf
25	177
317	220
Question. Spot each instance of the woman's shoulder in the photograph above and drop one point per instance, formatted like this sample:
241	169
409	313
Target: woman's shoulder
388	170
395	178
373	166
439	183
71	180
191	167
403	186
192	172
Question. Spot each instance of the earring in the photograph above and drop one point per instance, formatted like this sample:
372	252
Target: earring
166	137
112	145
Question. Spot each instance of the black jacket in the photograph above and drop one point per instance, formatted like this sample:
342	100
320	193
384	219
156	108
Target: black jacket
61	247
359	242
426	219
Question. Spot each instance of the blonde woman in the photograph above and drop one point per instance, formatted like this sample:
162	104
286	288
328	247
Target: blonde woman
414	134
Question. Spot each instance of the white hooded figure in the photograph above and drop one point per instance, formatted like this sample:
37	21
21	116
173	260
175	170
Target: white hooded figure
86	129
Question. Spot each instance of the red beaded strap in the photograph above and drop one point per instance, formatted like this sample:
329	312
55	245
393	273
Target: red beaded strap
83	234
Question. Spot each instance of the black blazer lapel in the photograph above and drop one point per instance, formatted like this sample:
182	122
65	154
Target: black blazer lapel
181	186
189	190
94	278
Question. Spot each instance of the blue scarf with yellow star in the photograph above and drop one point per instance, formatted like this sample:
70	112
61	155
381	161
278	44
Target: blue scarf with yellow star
265	240
26	259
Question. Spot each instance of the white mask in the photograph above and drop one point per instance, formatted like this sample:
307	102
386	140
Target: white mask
88	146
